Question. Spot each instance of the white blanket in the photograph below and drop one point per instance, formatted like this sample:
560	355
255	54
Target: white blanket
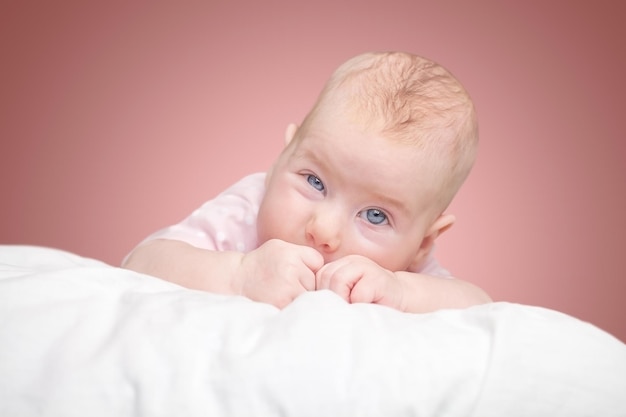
81	338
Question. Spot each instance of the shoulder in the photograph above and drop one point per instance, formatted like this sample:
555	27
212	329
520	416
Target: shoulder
250	187
254	182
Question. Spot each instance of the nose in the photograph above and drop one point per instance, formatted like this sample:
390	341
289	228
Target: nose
323	230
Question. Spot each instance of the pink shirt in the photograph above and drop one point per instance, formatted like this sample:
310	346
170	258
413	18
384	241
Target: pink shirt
228	222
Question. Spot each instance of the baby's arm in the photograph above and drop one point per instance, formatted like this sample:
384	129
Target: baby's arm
275	273
358	279
215	249
424	293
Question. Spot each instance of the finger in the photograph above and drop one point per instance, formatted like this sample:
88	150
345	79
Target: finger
306	280
291	289
378	288
302	276
311	258
321	283
312	261
340	279
324	275
364	291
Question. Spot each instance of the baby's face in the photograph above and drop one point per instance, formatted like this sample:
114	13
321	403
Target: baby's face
343	191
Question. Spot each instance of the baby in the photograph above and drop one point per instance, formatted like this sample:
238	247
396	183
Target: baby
353	204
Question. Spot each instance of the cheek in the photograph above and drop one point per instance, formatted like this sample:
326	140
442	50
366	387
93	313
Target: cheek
393	260
266	222
279	218
390	252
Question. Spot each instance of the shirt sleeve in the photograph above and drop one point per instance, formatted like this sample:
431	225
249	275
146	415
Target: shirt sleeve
225	223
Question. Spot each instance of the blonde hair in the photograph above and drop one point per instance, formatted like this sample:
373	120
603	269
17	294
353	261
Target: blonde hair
410	99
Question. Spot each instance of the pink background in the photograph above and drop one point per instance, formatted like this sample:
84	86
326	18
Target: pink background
117	120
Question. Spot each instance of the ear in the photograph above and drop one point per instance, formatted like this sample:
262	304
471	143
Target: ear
440	225
290	132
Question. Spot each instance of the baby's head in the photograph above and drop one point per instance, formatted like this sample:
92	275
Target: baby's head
375	163
409	99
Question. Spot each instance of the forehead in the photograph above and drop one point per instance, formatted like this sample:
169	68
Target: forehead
369	164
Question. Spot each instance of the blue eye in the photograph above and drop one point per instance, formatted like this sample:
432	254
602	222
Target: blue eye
315	182
376	216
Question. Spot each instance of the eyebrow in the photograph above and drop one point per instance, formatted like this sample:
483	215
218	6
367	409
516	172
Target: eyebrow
387	200
396	204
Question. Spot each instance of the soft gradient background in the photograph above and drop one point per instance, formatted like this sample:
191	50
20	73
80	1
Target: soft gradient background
120	118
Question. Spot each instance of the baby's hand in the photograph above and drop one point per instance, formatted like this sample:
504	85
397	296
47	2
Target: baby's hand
277	272
358	279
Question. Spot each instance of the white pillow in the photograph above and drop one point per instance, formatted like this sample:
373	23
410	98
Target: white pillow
79	337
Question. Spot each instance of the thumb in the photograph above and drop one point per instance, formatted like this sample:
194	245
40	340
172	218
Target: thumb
313	261
311	258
